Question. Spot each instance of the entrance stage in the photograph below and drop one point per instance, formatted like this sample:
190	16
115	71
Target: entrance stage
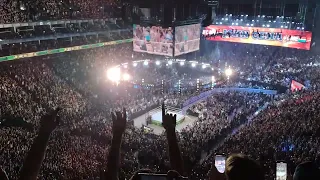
154	118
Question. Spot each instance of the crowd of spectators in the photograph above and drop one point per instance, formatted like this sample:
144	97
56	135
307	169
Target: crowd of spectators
26	11
286	131
47	30
77	83
267	64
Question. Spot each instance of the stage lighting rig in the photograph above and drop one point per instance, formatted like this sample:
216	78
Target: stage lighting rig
114	74
126	77
228	72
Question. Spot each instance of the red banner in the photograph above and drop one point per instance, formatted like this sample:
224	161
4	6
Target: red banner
296	86
257	35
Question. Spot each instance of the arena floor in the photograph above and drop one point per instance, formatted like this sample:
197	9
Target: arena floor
157	117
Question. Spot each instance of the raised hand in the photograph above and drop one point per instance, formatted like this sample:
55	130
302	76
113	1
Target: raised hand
33	161
50	122
169	121
119	121
3	175
214	174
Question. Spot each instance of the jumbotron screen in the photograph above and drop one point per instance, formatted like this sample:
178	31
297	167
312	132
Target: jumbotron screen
257	35
153	40
187	39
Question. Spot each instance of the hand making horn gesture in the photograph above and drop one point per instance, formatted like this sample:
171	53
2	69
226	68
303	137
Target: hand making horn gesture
169	121
50	121
119	121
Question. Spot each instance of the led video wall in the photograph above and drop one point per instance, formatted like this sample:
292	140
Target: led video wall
187	39
153	40
257	35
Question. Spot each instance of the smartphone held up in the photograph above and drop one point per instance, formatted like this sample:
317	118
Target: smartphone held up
220	162
281	171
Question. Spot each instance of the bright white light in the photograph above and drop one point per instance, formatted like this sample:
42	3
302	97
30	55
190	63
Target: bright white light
220	22
204	66
226	19
268	25
158	63
125	66
145	63
281	26
232	23
135	64
228	72
213	79
182	63
22	7
237	24
170	62
302	28
193	64
247	24
251	24
114	74
126	77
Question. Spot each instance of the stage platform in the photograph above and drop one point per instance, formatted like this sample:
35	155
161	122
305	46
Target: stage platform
156	120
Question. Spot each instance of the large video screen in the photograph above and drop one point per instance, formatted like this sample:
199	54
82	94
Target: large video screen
153	40
187	39
256	35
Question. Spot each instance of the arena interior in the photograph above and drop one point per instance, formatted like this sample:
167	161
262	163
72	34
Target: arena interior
102	90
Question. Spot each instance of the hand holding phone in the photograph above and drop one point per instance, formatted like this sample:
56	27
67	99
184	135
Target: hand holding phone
220	163
281	171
